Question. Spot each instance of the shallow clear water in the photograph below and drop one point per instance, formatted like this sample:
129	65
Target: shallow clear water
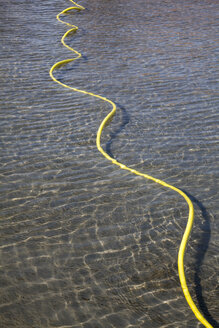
83	243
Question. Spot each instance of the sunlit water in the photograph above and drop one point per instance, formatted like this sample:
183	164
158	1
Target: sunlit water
83	243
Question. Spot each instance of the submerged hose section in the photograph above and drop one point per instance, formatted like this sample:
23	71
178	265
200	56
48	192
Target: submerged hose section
73	29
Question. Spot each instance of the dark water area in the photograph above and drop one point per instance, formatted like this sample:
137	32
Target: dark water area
83	243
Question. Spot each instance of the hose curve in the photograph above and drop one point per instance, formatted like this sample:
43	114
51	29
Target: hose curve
74	28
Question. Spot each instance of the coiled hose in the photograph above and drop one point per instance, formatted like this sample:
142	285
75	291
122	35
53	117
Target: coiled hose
74	28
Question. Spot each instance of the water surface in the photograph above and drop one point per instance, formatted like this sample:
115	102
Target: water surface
83	243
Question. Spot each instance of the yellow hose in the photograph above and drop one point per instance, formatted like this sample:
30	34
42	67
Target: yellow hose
183	244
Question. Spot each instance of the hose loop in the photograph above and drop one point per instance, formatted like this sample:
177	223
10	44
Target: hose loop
106	120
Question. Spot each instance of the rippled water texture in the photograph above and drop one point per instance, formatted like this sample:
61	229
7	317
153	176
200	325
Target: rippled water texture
83	243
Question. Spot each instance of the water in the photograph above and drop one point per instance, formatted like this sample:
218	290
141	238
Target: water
83	243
